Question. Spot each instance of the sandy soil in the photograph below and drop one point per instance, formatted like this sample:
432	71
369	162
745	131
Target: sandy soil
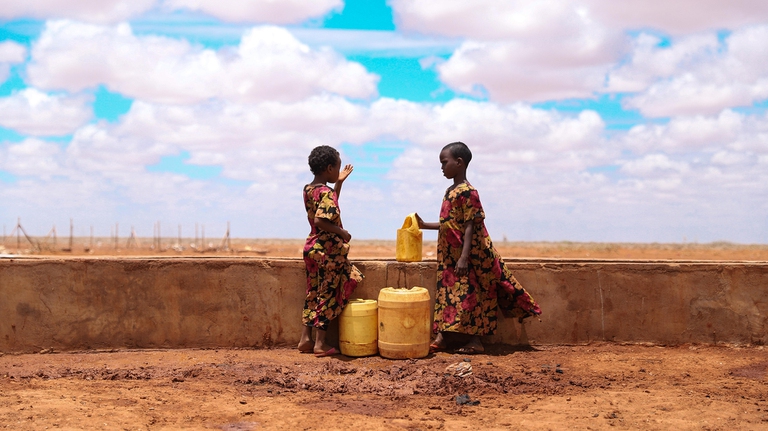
383	249
602	386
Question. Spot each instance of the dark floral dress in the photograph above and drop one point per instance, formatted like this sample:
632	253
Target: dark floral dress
469	304
331	279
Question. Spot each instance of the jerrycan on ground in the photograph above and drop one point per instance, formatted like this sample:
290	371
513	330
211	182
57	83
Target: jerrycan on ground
409	239
358	332
405	323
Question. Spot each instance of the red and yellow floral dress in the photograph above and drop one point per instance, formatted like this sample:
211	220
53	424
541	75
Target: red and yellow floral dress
469	304
331	278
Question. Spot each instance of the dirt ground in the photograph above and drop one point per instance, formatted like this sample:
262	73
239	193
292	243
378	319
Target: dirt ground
384	249
600	386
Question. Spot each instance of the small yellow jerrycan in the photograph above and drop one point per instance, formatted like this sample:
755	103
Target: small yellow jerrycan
358	328
409	241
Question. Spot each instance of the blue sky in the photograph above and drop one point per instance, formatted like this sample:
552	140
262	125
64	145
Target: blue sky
589	120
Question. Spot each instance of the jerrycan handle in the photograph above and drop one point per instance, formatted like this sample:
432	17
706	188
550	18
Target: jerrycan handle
410	223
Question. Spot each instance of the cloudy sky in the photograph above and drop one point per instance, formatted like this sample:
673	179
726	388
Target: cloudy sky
589	120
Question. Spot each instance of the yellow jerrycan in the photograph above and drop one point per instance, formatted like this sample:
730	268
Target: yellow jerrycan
405	323
358	333
409	240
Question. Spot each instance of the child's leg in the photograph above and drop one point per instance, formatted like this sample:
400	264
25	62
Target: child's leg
440	342
475	345
305	342
320	346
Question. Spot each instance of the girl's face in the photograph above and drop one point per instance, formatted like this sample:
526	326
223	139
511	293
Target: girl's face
333	171
450	165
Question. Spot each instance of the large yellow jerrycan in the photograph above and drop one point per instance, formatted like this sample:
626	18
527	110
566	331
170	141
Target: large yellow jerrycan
409	240
358	332
405	323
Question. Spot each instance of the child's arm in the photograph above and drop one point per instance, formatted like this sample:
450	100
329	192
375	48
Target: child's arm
425	225
342	176
463	264
327	226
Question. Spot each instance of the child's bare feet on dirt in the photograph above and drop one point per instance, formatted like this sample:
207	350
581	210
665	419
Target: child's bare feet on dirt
474	346
325	350
439	344
306	346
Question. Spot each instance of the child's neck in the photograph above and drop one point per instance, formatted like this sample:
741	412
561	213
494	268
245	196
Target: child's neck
459	178
320	179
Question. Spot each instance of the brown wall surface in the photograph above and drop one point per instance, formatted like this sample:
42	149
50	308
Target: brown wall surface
103	303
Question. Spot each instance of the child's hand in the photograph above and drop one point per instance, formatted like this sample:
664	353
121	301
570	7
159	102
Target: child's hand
345	172
419	221
462	266
346	236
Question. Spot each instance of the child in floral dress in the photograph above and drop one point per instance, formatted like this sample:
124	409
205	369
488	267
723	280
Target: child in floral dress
331	278
472	280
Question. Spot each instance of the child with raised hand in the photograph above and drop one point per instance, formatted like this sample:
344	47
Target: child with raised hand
472	280
331	278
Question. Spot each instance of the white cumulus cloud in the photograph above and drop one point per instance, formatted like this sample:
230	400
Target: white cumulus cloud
679	16
269	64
36	113
557	49
697	74
101	11
32	157
264	11
10	53
518	50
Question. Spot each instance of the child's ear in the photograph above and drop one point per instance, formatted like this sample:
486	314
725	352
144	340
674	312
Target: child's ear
460	161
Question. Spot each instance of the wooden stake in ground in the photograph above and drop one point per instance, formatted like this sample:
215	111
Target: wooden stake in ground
71	236
132	240
225	243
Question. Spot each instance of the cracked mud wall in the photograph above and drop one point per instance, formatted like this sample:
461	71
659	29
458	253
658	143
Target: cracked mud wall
85	303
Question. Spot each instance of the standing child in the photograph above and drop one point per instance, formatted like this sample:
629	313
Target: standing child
330	277
472	279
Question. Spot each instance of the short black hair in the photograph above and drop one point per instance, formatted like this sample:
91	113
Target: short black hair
459	150
321	157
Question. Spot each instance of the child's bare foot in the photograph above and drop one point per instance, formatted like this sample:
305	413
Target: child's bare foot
305	341
325	350
474	346
439	344
306	346
321	348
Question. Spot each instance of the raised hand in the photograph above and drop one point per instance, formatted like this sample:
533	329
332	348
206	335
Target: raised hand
344	173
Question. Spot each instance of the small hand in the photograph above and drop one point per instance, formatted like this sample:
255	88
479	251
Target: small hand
344	173
462	266
346	236
419	221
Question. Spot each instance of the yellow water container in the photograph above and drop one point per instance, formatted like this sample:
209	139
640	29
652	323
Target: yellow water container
357	328
409	240
405	323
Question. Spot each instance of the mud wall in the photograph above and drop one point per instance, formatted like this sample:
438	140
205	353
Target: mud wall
83	303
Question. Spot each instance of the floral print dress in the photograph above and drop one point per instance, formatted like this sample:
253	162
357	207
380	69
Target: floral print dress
469	304
331	278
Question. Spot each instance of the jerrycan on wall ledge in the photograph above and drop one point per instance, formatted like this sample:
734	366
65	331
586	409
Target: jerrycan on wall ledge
409	239
405	323
358	332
